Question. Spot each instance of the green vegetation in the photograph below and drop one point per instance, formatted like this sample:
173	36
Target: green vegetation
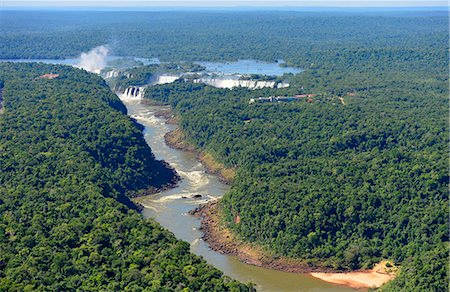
260	77
68	157
300	38
340	186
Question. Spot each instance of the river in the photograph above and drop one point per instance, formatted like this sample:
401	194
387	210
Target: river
249	67
170	210
221	68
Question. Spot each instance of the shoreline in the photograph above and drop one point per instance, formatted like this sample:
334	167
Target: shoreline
176	139
356	280
221	239
172	183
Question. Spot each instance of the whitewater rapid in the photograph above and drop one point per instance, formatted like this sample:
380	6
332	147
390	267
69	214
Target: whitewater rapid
170	208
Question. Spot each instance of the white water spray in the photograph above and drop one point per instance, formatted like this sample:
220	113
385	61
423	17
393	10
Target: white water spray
94	60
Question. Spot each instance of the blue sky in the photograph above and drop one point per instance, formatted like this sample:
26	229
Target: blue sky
225	3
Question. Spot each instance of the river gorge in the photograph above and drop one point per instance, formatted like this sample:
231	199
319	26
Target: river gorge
170	208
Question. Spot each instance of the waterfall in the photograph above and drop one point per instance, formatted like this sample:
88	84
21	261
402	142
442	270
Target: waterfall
231	83
110	74
163	79
132	93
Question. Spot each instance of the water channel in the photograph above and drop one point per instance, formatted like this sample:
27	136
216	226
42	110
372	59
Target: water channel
170	210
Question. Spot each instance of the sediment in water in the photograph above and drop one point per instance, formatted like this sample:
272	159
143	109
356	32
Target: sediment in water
222	240
177	139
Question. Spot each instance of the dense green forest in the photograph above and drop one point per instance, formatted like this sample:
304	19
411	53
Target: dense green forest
340	185
300	38
68	157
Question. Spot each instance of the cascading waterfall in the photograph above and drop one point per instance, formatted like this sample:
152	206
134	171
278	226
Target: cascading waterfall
137	92
164	79
230	83
110	74
132	93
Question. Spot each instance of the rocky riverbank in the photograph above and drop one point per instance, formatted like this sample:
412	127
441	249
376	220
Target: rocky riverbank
177	139
220	239
167	115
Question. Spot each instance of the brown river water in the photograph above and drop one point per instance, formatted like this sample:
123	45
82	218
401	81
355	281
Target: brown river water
170	210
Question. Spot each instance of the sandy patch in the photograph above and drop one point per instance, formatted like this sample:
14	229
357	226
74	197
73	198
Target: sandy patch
369	279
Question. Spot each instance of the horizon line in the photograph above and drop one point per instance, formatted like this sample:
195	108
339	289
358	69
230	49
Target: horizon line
444	7
222	4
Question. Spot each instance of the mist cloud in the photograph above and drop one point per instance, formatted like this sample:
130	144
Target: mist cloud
94	60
